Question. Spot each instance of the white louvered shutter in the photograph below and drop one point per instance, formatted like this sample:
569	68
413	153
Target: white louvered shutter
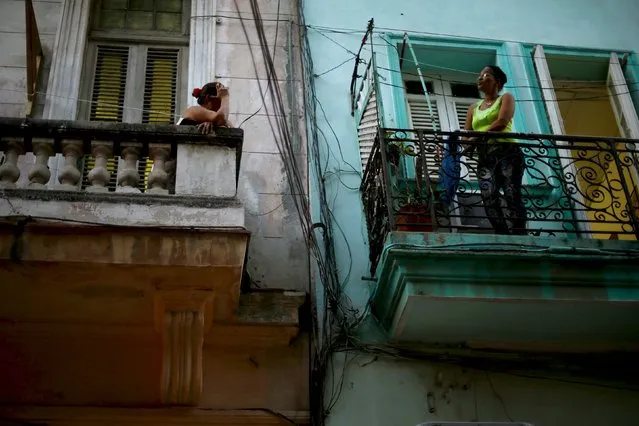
367	129
420	114
421	119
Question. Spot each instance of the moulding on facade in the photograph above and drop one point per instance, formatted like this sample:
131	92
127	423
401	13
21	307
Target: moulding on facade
182	316
202	44
63	89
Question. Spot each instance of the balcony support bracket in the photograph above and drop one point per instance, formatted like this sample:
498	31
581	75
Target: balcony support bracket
183	317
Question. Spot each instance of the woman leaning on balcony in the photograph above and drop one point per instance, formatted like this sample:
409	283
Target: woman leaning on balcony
500	161
212	109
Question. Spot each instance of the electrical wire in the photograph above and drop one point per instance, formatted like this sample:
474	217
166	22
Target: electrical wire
344	30
333	331
344	337
519	86
339	145
540	101
498	396
425	64
333	68
267	212
473	73
465	51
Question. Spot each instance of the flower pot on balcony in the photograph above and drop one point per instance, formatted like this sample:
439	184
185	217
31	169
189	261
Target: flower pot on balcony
414	218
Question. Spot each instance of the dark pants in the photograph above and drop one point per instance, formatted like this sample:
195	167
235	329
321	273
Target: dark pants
501	167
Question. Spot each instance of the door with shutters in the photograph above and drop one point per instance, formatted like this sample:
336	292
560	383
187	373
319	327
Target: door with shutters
449	104
450	101
136	69
134	84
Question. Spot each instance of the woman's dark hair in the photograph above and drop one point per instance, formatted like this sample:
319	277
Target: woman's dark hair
499	74
209	89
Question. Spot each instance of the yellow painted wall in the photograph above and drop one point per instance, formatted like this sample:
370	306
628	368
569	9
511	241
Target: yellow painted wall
586	110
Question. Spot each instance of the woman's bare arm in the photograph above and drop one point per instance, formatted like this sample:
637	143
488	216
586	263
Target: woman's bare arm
506	112
201	114
469	117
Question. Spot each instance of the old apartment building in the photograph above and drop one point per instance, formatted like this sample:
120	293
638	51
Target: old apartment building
149	273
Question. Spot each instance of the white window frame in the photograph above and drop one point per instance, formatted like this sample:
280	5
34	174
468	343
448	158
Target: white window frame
443	98
623	110
445	102
135	79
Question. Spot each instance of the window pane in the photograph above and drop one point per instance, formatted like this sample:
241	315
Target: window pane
110	19
464	90
169	5
139	20
146	5
169	22
415	87
114	4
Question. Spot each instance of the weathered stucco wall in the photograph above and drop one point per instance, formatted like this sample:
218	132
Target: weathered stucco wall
379	391
277	254
13	61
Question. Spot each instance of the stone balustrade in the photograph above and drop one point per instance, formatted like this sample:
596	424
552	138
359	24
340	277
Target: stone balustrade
182	161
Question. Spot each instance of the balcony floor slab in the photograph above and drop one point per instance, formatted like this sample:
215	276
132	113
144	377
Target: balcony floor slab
123	209
509	291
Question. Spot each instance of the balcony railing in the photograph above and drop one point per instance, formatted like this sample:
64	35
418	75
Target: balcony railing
425	181
105	157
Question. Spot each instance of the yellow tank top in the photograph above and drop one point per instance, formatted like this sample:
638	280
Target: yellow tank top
483	119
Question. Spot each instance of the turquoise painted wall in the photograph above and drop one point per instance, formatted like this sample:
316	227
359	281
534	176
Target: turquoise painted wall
336	31
382	392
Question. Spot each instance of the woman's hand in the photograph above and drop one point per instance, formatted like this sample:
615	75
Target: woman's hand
222	91
469	149
206	128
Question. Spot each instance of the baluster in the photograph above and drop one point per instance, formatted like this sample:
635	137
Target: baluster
128	176
99	176
40	174
159	178
70	175
170	170
9	171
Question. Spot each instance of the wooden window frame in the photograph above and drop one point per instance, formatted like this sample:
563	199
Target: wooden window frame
134	90
143	35
138	42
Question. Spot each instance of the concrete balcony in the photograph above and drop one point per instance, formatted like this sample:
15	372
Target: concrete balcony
122	251
565	281
122	174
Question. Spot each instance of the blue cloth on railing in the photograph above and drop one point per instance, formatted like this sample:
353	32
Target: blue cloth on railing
450	170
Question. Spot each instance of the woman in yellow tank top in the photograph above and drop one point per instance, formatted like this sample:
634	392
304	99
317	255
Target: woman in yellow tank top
500	161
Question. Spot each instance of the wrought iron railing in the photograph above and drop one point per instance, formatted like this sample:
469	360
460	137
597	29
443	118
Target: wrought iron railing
425	181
